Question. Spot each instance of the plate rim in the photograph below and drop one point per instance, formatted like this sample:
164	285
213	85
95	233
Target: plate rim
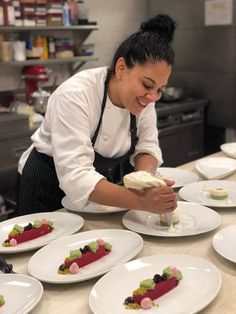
181	170
214	241
161	256
177	235
15	250
134	252
92	212
221	176
205	204
36	281
225	151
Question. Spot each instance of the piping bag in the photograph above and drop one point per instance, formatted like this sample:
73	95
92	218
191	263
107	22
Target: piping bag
145	179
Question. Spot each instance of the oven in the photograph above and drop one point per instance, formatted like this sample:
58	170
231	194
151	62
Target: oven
181	130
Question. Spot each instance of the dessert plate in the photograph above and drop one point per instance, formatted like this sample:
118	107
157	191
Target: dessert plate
108	294
92	207
197	193
21	293
224	242
215	167
125	245
180	176
64	224
229	149
194	219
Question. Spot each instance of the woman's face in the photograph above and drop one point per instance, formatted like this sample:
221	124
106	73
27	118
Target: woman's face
141	85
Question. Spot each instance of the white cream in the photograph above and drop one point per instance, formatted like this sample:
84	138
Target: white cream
142	179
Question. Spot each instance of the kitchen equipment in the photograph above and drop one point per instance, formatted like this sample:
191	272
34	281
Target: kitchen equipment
39	100
5	267
181	130
34	77
172	93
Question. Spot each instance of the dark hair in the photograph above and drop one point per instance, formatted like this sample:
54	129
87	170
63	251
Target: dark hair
150	44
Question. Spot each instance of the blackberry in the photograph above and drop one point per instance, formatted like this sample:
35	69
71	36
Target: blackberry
84	249
129	300
164	277
63	267
157	278
28	227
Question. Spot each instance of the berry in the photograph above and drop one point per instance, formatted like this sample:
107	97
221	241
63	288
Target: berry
85	249
164	277
129	300
63	267
28	227
157	278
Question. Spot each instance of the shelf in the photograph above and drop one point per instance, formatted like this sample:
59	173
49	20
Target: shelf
47	28
49	61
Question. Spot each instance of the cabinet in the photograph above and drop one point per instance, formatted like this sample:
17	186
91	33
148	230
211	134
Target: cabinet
14	140
78	33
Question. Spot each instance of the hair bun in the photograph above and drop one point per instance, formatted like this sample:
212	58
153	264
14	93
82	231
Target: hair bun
163	25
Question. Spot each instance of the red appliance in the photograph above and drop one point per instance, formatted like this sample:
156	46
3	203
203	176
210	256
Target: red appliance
34	76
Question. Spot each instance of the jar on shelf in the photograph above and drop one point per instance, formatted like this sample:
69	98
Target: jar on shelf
8	13
82	12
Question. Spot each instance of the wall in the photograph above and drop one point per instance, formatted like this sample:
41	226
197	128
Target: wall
116	20
205	57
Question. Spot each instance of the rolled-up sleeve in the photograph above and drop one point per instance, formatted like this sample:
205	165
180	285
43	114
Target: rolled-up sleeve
147	135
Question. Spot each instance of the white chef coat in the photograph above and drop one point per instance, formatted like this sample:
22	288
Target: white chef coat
71	119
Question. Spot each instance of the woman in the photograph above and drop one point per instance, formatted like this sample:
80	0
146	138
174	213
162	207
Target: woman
98	120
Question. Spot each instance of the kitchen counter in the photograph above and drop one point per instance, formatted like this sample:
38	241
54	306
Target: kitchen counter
73	298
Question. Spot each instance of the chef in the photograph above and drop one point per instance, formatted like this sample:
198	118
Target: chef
98	125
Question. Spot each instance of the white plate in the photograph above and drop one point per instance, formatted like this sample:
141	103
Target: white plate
224	242
125	245
21	293
180	176
229	149
92	207
200	284
197	193
64	225
215	167
194	219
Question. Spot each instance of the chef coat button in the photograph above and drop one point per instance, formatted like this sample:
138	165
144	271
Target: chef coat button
105	137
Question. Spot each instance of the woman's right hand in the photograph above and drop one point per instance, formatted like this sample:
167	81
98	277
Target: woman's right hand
159	200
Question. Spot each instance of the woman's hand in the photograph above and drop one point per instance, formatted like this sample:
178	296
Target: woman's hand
159	200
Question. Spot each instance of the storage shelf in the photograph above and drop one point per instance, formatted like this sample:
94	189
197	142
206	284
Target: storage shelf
46	28
49	61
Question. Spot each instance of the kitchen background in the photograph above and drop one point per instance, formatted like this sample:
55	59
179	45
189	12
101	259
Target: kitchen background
205	68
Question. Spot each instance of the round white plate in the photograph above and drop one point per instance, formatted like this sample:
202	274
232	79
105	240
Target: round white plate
215	167
194	219
197	193
224	242
125	245
64	225
180	176
21	293
92	207
229	149
200	284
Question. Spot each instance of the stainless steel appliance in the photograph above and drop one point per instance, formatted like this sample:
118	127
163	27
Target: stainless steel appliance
181	130
34	76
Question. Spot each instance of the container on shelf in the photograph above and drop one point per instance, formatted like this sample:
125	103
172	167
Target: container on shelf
19	50
6	51
86	50
8	13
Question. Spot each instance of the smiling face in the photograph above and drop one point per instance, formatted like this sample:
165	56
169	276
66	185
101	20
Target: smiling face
139	86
